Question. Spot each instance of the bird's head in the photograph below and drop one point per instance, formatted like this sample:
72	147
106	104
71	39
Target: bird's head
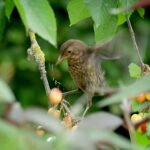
71	49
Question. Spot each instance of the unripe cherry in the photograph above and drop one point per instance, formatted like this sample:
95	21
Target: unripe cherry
55	96
40	131
54	112
141	98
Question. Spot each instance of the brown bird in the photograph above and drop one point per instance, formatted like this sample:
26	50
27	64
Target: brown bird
84	66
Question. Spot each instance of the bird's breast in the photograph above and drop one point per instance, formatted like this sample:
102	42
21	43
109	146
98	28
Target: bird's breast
84	74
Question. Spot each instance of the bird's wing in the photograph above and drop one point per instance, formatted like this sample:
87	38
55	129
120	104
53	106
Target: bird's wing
106	49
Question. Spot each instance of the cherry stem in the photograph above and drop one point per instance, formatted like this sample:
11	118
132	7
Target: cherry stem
135	44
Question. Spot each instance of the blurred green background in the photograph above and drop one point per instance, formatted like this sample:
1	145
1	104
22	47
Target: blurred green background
23	75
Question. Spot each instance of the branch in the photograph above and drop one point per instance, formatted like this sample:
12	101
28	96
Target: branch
135	44
126	109
39	56
40	60
137	124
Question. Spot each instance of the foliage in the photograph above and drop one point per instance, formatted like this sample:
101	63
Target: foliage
90	21
128	91
134	70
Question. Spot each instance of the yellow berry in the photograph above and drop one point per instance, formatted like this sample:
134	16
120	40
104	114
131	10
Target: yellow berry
136	118
139	130
54	112
40	131
148	96
55	96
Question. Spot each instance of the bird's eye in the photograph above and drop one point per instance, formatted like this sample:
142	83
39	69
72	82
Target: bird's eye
69	51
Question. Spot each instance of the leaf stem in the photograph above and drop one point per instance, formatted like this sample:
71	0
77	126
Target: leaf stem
135	44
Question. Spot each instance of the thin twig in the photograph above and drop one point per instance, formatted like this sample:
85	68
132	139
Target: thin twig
135	44
126	109
65	107
44	78
39	56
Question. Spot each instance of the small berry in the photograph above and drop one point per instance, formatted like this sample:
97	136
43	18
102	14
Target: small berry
136	118
40	131
148	96
139	130
55	96
54	112
141	98
143	127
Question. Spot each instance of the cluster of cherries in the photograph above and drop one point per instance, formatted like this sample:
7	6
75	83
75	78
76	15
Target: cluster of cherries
142	97
55	98
140	116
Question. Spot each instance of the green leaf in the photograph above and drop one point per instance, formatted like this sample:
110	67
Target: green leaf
142	139
39	16
105	30
148	130
102	121
141	85
141	12
124	4
6	93
100	10
134	70
2	17
105	23
77	11
118	141
135	105
139	107
16	138
9	6
121	19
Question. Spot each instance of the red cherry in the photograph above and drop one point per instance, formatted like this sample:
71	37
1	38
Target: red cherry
143	127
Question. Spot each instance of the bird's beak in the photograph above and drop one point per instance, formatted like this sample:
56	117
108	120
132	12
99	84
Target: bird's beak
60	58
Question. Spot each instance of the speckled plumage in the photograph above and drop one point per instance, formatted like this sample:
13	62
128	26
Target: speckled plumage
84	67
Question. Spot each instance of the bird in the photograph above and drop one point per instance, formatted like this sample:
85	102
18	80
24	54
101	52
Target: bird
84	64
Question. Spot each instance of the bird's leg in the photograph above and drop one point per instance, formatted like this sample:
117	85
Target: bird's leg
89	104
65	106
71	92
